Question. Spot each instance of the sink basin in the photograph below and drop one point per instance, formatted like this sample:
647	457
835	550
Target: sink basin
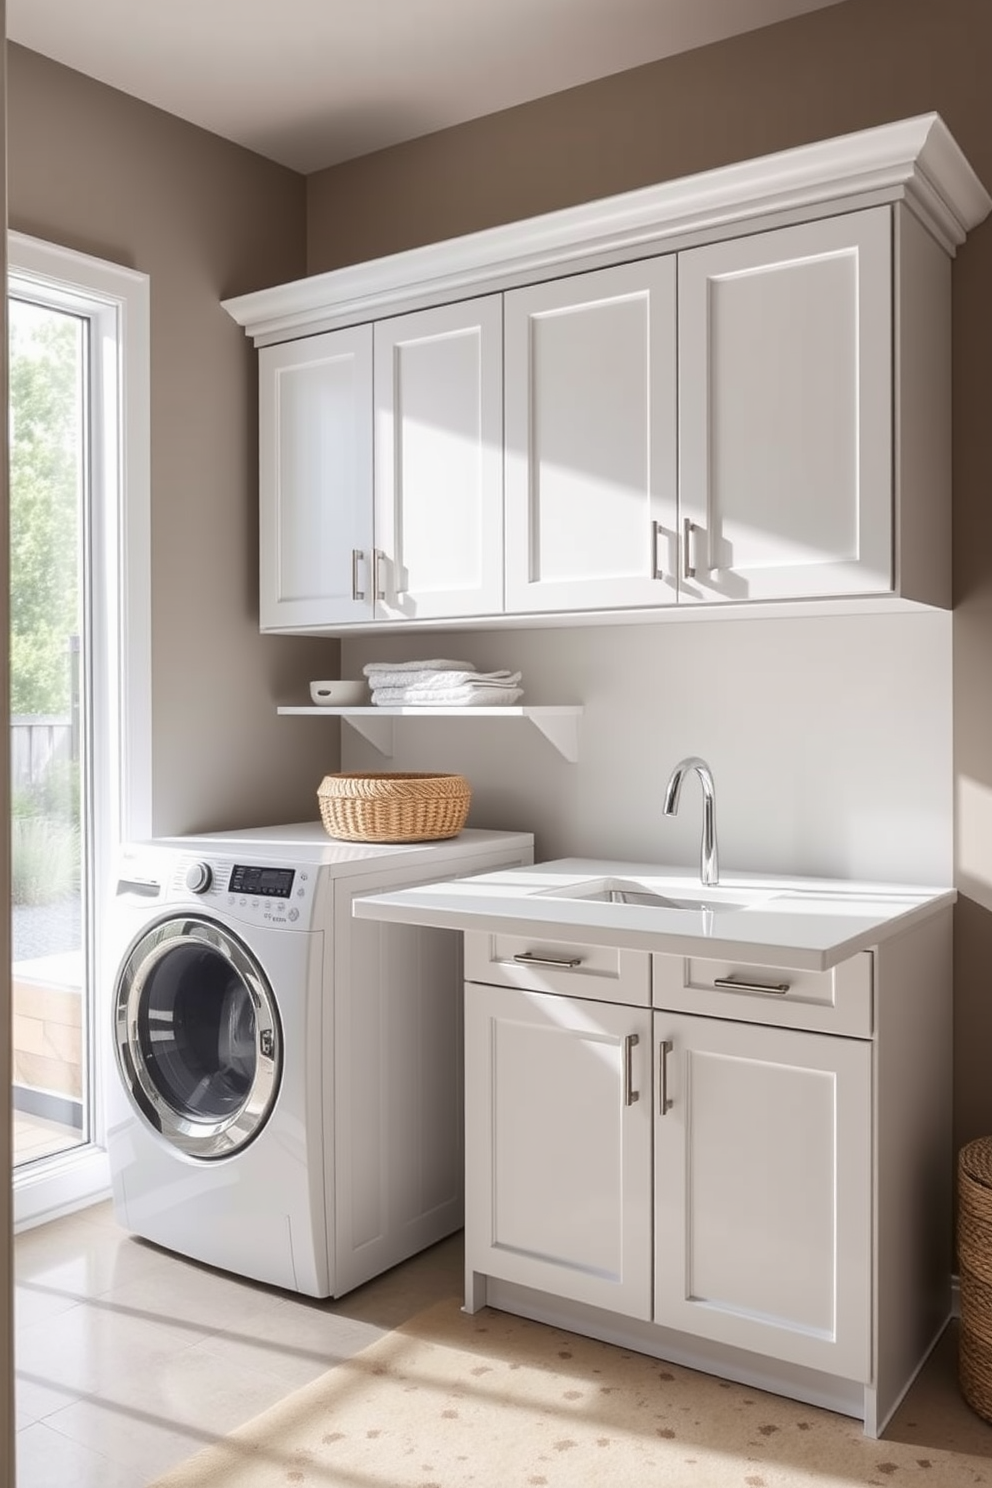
637	892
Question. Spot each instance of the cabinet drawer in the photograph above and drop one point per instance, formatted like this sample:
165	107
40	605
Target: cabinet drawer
534	964
835	1001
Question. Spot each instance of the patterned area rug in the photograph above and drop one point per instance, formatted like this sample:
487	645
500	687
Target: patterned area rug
494	1401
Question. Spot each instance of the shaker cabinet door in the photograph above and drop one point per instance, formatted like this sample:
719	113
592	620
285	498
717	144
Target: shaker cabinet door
558	1146
763	1140
439	462
785	412
315	481
590	440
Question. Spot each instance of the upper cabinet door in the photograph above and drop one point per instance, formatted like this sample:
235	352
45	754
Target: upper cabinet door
439	462
785	412
590	440
315	480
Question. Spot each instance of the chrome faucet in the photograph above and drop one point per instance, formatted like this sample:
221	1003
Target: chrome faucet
709	865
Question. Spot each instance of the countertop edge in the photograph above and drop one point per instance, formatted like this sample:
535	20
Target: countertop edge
415	907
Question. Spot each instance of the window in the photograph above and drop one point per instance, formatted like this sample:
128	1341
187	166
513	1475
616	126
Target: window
80	689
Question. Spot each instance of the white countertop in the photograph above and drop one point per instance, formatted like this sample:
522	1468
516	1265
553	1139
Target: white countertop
807	923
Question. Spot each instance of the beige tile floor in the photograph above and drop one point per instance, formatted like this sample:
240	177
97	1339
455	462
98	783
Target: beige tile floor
129	1359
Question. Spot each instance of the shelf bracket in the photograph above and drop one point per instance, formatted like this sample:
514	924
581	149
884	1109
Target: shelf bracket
378	731
561	730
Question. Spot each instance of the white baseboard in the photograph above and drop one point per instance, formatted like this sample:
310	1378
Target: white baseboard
50	1190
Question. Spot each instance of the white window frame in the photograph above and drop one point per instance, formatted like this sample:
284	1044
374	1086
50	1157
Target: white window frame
116	303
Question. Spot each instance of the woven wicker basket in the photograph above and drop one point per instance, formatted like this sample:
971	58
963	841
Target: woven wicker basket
975	1260
393	807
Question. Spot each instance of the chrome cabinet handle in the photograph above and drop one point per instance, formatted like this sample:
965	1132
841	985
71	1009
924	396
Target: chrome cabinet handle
735	984
530	959
657	572
688	569
378	558
630	1095
356	557
664	1100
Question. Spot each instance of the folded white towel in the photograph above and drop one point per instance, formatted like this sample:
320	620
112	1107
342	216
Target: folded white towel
442	680
467	696
373	667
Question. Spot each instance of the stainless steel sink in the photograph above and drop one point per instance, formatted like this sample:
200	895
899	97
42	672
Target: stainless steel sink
631	891
660	901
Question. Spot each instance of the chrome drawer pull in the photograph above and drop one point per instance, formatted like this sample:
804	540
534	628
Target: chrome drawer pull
664	1101
630	1095
736	985
529	958
657	572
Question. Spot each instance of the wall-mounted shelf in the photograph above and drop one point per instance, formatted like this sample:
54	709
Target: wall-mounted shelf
558	724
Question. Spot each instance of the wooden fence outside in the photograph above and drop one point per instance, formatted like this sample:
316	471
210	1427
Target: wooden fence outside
37	741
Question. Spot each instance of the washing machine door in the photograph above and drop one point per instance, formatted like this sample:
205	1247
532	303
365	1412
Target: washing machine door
197	1036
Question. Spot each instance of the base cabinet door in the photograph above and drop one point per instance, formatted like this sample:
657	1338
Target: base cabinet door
763	1190
315	481
558	1144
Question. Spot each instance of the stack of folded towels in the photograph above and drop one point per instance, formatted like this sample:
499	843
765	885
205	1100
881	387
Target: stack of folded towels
440	684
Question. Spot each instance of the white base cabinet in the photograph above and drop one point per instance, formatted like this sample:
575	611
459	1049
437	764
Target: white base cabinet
559	1118
792	1227
762	1195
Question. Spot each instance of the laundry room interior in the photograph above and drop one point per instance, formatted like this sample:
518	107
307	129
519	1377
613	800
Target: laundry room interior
597	985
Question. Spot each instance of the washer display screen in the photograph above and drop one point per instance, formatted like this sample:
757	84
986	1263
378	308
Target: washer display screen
275	883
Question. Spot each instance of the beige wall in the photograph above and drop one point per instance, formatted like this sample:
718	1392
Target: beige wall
853	65
98	171
6	1277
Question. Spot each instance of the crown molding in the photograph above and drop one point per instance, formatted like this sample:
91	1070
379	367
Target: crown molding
914	160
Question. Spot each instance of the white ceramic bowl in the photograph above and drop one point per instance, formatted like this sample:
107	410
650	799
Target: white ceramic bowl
339	694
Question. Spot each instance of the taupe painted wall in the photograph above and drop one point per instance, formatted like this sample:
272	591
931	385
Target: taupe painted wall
100	172
853	65
6	1217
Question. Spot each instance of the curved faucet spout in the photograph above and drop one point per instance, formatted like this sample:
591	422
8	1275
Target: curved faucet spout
709	865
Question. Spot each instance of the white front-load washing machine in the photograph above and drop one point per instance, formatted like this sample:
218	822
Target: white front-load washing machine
285	1101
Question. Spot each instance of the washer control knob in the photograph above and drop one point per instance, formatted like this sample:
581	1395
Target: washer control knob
199	878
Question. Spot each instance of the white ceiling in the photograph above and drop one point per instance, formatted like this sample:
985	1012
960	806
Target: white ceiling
309	83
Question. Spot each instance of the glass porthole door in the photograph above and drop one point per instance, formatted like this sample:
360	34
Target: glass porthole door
197	1036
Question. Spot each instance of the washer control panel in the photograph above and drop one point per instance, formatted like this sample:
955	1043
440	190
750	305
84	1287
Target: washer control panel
254	893
268	883
278	894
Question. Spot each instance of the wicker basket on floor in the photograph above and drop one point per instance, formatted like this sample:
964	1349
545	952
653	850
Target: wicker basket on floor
393	807
975	1260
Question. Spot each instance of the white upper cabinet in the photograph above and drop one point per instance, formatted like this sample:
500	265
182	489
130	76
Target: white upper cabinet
590	440
733	388
403	527
786	412
439	462
315	480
